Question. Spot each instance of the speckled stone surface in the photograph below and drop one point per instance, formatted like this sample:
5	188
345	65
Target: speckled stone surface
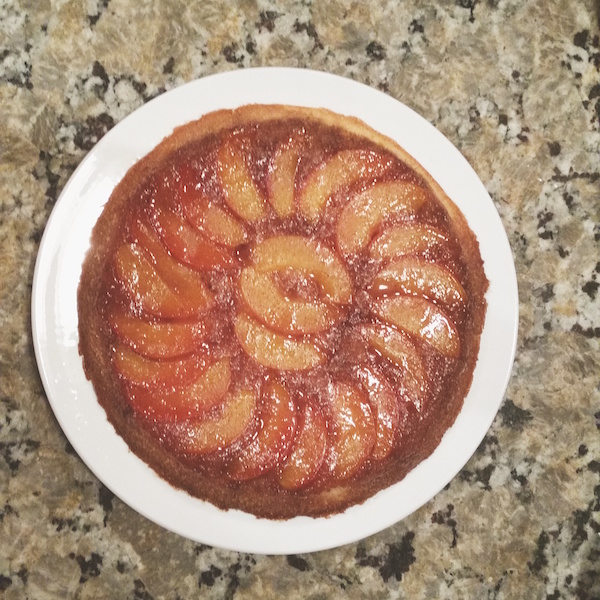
515	85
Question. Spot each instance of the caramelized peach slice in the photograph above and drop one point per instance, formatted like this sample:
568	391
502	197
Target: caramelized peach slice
339	171
423	319
215	222
310	258
276	433
158	339
399	349
179	403
151	293
362	216
187	244
268	304
186	283
145	236
143	371
241	193
274	350
217	433
406	239
354	433
385	407
209	218
308	453
135	271
396	347
414	275
281	182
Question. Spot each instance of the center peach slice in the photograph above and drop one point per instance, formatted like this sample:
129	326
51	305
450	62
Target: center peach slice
310	258
288	315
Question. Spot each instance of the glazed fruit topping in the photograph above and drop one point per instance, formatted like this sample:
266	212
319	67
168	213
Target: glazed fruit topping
280	391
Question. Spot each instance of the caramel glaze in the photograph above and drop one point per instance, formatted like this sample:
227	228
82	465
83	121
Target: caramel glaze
194	156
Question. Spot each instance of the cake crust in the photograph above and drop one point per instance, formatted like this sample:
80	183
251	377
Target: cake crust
366	356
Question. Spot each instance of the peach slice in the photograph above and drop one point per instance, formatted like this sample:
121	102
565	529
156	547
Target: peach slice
149	292
423	319
147	372
354	433
215	222
186	243
308	453
135	271
179	403
276	433
362	216
218	432
395	346
158	339
211	219
386	408
414	275
241	193
268	304
281	182
274	350
145	236
184	282
339	171
400	350
310	258
406	239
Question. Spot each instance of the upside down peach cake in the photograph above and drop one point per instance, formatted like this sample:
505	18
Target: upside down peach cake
280	310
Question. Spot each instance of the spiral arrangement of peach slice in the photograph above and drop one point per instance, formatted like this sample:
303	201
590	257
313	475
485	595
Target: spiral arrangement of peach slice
289	290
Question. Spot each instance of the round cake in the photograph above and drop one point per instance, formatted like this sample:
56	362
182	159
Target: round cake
280	310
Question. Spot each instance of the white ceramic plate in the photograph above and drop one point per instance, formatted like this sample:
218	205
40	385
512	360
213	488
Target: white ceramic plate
54	311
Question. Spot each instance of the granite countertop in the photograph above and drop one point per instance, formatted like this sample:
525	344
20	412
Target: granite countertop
515	85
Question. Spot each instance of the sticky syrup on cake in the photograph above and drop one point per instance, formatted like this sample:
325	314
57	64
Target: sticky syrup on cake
280	310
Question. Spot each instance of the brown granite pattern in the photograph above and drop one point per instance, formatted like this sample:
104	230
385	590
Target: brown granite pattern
515	85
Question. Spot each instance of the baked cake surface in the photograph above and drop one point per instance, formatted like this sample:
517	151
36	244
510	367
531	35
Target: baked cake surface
280	310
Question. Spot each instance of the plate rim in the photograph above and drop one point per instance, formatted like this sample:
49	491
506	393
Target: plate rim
281	540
